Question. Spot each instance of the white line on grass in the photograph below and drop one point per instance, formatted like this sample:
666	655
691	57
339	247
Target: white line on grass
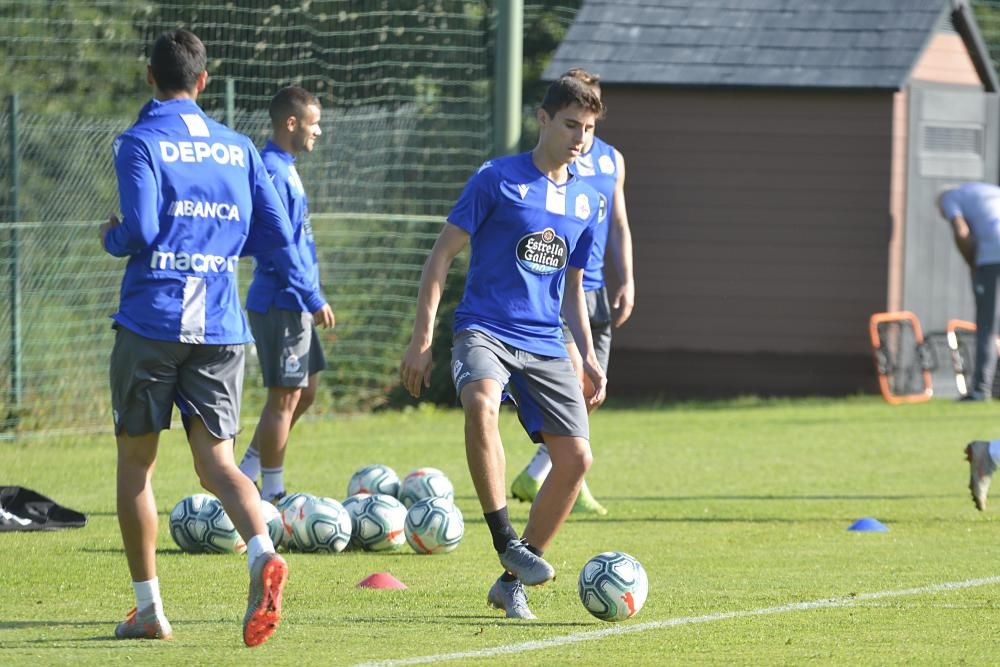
828	603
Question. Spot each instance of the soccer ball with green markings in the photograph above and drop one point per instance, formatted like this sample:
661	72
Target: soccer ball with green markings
321	524
613	586
434	526
425	483
376	478
378	523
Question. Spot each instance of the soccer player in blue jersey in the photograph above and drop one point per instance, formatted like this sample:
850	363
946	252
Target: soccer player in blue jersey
531	225
288	346
602	166
194	197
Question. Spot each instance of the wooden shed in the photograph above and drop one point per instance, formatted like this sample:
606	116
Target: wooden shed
782	162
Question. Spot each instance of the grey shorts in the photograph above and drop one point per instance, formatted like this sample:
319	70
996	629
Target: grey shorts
288	347
149	376
546	390
599	312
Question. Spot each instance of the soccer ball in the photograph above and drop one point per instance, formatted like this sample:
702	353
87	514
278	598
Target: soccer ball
375	478
353	505
379	523
425	483
184	527
613	586
218	535
320	524
434	526
272	518
290	507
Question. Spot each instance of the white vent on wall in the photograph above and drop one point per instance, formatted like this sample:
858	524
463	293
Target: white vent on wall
952	151
950	139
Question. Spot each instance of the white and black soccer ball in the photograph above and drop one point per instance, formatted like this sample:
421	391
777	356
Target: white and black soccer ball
353	505
425	483
379	523
272	519
184	526
320	524
375	478
290	508
434	526
613	586
218	535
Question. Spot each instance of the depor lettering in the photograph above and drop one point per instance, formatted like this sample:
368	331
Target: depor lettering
199	151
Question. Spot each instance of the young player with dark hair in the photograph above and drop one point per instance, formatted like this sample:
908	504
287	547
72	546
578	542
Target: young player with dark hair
194	197
531	224
284	330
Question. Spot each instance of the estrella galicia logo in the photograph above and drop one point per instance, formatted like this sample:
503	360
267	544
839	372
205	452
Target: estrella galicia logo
543	252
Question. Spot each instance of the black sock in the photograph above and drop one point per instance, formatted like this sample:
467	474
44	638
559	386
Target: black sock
507	577
533	549
500	528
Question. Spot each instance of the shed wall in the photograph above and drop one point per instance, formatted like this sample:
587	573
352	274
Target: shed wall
761	224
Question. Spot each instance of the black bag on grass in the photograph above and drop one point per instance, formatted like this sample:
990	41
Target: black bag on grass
24	509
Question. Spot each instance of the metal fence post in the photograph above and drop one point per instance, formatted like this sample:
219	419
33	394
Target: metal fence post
16	380
509	75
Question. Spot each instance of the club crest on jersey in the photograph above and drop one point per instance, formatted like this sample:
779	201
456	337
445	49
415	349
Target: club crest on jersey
582	206
543	252
606	164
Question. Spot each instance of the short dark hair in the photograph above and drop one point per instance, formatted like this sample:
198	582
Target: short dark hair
177	59
589	78
567	90
290	101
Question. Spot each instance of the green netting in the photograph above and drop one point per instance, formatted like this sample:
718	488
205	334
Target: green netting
406	89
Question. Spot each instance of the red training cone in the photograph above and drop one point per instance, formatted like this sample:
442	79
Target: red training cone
380	580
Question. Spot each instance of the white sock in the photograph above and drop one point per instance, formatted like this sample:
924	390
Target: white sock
148	593
273	482
250	465
540	464
995	451
258	546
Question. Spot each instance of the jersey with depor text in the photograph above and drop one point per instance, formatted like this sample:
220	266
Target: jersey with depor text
194	197
599	168
524	231
979	205
267	287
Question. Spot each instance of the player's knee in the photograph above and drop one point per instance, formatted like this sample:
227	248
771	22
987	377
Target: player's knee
480	407
283	399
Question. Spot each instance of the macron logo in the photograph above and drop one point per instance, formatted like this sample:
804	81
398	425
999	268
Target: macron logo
199	151
195	261
523	189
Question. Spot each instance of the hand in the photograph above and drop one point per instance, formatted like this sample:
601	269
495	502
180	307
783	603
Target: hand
324	317
415	368
622	304
106	227
598	383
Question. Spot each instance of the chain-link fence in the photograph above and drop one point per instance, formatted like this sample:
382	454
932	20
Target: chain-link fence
406	90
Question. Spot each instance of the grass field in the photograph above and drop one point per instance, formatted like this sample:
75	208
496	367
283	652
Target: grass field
738	511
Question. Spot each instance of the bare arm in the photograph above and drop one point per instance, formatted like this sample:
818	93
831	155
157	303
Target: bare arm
415	369
574	311
963	240
620	248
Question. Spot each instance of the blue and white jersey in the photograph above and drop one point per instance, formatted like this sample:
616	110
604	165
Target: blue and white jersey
267	287
599	168
979	205
524	231
194	197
